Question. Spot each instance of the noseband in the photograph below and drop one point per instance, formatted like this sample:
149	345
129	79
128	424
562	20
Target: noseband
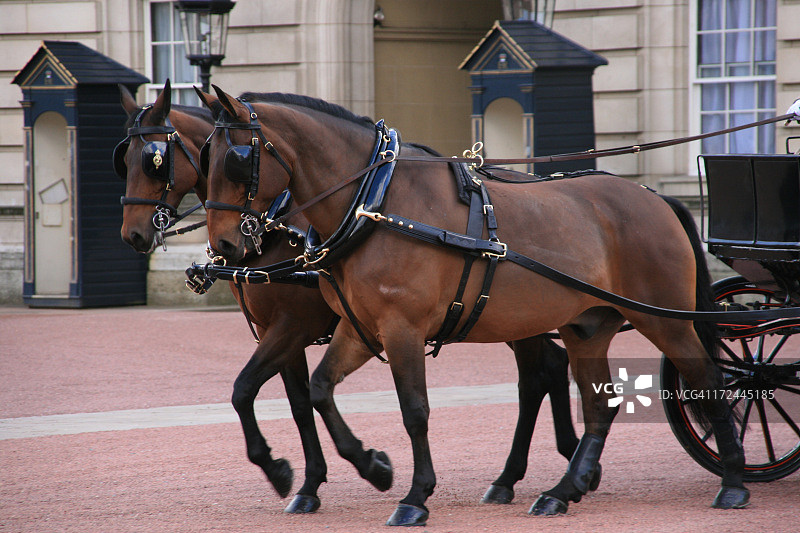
158	162
241	164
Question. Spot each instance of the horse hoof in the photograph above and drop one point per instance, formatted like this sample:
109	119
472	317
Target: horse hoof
408	515
548	506
280	474
302	504
731	498
595	482
380	472
498	494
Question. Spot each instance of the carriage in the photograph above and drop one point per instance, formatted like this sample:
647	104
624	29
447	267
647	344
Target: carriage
754	228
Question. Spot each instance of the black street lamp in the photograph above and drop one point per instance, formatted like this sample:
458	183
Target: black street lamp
204	24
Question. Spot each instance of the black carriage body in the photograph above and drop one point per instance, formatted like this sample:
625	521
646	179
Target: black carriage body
80	84
754	216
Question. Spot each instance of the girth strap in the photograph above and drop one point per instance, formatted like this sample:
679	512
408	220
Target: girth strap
480	209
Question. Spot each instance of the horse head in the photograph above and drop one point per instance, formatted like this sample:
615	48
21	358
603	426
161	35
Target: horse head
159	162
248	167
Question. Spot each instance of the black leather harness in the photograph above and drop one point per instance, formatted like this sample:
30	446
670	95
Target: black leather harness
158	162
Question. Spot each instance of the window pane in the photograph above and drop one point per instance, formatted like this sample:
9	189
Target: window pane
159	21
187	97
710	14
765	13
737	47
766	135
713	145
765	45
184	72
713	97
710	48
743	141
766	95
710	72
161	63
742	96
737	13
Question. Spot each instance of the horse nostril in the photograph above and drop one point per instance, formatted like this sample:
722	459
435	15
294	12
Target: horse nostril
226	248
138	241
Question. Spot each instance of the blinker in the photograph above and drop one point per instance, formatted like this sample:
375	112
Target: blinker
239	163
155	160
120	167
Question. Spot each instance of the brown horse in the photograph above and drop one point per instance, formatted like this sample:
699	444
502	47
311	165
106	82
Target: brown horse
289	318
604	230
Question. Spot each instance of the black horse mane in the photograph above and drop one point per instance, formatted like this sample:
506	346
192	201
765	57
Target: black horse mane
308	102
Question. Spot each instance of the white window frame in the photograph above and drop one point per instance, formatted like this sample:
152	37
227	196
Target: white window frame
154	88
696	82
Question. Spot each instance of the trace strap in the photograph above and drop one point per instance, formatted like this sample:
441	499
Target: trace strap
486	248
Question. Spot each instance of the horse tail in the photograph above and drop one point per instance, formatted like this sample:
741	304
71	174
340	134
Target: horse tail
704	294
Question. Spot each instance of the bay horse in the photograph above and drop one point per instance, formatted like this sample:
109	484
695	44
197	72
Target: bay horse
288	318
601	229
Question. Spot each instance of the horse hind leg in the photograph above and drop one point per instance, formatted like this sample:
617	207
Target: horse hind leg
588	358
542	366
693	361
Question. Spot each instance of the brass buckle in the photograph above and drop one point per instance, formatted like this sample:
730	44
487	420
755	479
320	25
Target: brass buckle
498	256
322	255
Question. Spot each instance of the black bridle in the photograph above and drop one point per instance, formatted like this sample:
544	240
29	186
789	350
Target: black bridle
241	165
158	162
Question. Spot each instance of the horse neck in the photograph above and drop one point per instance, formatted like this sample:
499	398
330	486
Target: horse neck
327	151
193	131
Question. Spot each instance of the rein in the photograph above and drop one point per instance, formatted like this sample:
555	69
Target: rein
472	157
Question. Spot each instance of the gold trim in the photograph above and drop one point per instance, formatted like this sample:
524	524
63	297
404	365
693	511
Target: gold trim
48	57
510	43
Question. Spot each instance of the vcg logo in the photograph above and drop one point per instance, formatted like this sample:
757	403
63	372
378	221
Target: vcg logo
643	382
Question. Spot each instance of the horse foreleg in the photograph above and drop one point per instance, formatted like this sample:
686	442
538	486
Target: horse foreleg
406	355
346	354
295	380
266	361
589	366
542	367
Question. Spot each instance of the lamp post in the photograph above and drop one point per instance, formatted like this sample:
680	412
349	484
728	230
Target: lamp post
540	11
204	24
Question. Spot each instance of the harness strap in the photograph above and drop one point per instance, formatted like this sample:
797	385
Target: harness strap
486	248
238	286
349	312
456	308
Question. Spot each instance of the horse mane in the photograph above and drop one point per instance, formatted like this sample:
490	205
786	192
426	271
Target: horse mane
315	104
198	112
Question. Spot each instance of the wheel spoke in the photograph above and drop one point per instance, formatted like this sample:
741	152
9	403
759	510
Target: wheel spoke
765	428
728	350
784	415
777	348
787	388
748	404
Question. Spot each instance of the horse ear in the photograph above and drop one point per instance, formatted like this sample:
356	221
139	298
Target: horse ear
164	101
231	105
127	100
207	99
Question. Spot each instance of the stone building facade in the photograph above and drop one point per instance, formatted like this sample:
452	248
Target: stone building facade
398	60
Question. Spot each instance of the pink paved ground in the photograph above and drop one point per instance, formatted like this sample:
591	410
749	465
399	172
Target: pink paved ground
198	478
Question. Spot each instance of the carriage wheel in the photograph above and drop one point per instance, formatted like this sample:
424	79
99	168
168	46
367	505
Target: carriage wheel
762	380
